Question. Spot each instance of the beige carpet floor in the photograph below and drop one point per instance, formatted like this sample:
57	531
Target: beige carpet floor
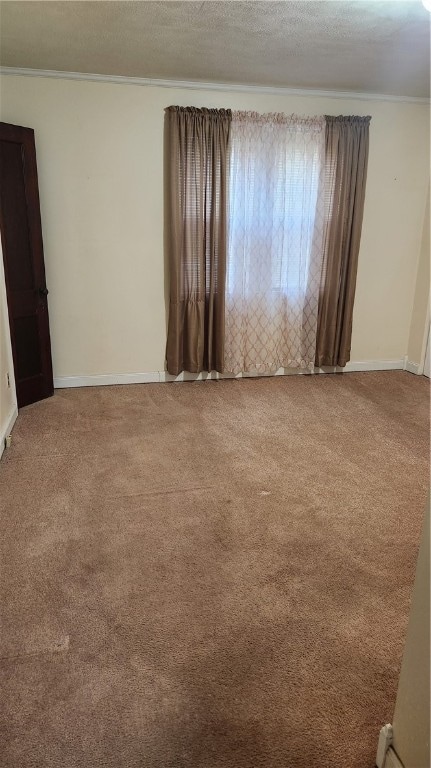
210	575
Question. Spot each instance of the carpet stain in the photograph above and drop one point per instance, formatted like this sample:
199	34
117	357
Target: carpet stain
60	646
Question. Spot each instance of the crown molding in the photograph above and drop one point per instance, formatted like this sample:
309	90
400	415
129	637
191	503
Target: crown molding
195	85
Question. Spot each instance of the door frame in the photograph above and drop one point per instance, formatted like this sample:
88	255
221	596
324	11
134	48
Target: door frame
427	333
7	418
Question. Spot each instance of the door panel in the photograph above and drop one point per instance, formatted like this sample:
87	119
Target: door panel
14	210
21	234
28	358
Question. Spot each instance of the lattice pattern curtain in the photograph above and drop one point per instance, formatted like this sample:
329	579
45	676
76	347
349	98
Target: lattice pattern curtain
276	220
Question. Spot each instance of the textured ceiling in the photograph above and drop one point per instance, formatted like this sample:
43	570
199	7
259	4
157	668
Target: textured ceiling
380	47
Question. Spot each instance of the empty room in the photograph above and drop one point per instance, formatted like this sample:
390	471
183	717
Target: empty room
214	384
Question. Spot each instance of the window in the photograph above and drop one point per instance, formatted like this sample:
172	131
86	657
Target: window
274	240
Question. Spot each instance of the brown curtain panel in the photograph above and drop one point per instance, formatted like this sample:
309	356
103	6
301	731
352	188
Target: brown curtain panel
346	159
196	154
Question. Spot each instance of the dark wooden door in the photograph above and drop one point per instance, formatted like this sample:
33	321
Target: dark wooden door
21	235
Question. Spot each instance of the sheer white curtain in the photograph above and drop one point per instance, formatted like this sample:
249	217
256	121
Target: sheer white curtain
275	241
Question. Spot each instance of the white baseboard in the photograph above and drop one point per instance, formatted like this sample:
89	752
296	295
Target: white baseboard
412	367
385	741
7	429
392	760
386	756
367	365
99	380
106	379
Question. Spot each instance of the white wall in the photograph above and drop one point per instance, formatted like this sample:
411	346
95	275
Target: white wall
100	158
411	724
8	407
